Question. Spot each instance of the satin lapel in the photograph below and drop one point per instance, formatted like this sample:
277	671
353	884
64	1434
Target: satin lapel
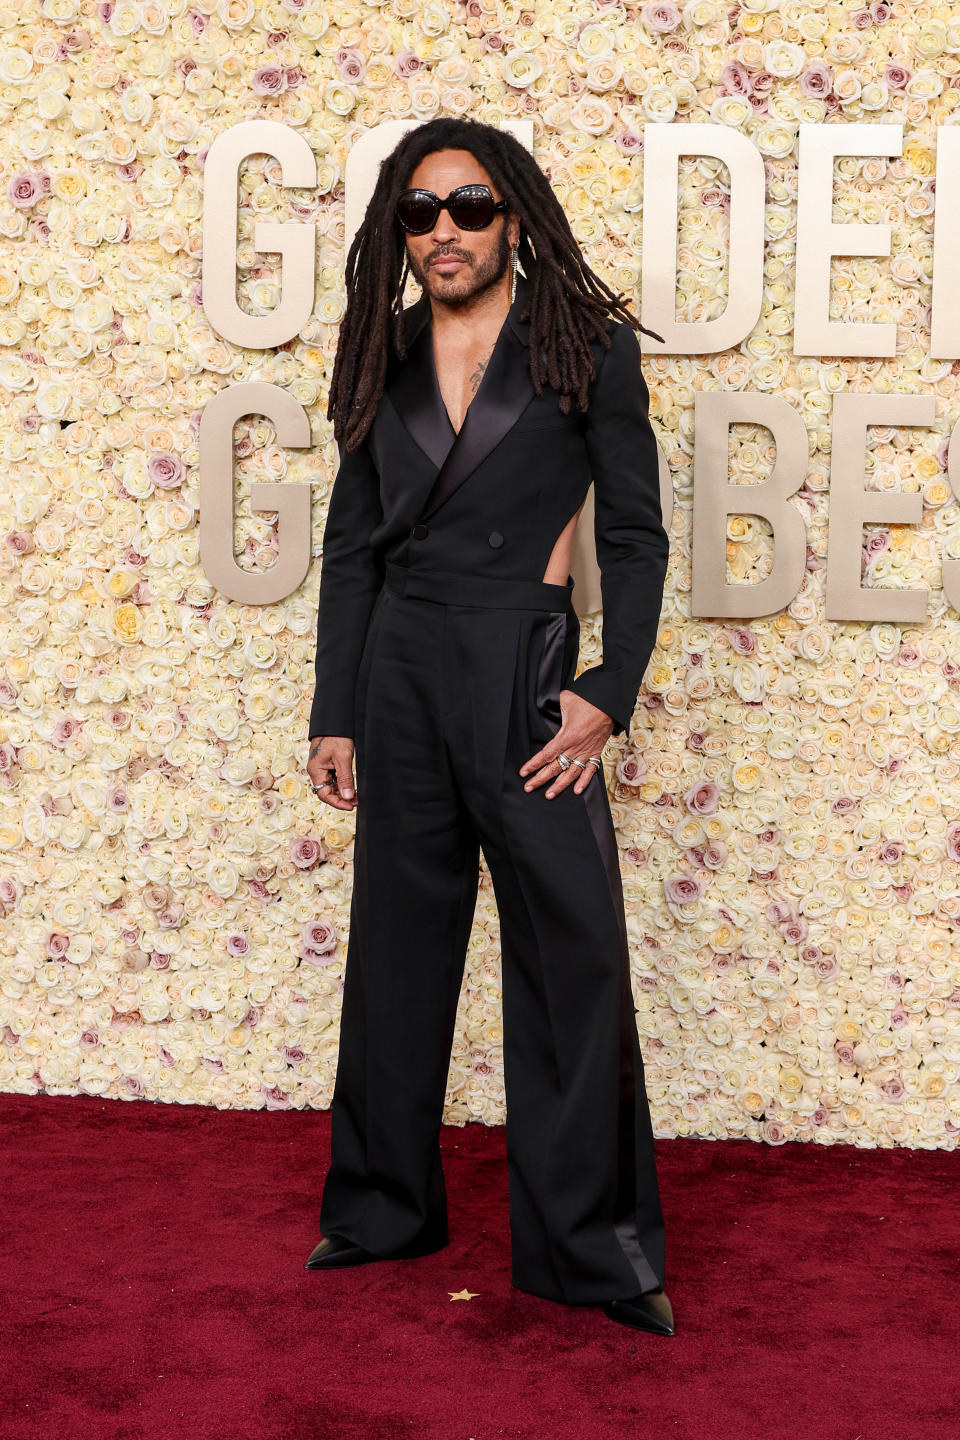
502	395
414	391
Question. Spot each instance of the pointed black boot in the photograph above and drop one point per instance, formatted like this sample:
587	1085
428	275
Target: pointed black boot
650	1311
333	1253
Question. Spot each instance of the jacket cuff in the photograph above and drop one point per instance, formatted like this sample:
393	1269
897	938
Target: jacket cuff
605	691
330	719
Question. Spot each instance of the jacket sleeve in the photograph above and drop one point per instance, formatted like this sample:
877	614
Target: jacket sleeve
351	575
632	545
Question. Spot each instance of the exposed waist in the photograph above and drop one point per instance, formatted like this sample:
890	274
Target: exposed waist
480	591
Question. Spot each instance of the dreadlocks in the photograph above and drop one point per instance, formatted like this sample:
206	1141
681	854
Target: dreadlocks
569	304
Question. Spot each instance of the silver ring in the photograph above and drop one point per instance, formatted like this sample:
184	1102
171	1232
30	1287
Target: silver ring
563	761
595	760
581	763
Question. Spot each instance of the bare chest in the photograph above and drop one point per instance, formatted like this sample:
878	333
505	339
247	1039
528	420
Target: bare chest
459	373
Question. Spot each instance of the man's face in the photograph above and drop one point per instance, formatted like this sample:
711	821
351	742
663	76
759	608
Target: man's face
481	256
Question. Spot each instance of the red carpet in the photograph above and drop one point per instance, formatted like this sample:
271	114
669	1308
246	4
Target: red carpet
153	1286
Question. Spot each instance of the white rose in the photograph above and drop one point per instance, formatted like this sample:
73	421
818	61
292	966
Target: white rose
15	65
519	68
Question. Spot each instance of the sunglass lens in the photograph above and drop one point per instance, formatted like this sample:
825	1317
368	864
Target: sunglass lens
472	210
417	212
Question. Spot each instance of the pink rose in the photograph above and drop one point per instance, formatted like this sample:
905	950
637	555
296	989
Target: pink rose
352	66
64	730
631	768
816	80
660	16
319	935
827	967
874	545
268	80
702	798
167	471
20	542
24	188
714	854
237	944
682	888
735	79
406	64
307	851
953	840
275	1098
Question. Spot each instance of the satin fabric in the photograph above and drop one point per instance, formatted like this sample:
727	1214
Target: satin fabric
458	686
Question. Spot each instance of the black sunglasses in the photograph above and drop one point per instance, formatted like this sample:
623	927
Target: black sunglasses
470	207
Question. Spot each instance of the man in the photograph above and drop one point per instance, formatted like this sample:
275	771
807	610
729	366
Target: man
471	425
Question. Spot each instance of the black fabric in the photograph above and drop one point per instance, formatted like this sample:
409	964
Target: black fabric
491	500
458	684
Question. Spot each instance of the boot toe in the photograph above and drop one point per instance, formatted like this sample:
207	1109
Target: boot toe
334	1252
650	1311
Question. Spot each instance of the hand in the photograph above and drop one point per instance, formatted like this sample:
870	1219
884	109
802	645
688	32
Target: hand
330	768
584	730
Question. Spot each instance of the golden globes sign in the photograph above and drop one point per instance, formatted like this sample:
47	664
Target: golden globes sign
819	239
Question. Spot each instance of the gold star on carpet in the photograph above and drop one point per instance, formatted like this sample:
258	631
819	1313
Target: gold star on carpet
463	1294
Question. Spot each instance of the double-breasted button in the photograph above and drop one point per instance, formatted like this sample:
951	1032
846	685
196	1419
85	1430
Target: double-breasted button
495	540
420	532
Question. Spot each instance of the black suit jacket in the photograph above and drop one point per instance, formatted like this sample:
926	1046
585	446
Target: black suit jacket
491	500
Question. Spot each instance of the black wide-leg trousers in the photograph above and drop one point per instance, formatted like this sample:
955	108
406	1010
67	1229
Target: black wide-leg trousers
458	686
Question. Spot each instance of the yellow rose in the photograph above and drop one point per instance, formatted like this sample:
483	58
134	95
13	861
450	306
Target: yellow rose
126	624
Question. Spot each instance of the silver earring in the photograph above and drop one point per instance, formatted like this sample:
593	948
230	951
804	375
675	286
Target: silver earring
513	288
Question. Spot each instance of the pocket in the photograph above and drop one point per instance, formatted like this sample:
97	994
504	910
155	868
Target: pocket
550	672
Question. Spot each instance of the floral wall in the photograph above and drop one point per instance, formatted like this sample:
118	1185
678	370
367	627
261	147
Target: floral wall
174	902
